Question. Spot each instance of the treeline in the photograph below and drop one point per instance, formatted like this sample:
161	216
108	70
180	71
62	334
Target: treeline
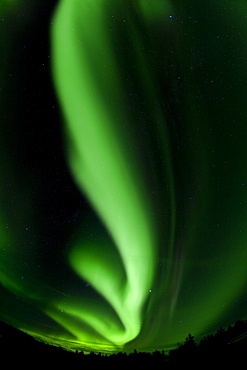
225	347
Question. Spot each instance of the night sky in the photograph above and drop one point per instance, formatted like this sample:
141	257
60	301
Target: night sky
123	204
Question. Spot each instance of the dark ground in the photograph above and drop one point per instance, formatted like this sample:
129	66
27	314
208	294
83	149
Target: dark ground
226	347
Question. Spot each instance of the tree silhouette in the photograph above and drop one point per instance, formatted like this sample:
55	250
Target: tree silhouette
189	341
224	347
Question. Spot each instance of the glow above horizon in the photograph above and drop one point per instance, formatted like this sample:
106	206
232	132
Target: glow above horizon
143	148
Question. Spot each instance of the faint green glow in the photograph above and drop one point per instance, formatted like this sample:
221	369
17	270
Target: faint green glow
153	10
10	4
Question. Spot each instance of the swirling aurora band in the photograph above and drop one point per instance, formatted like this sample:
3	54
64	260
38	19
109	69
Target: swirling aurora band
157	146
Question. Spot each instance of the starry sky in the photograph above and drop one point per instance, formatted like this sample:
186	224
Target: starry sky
123	170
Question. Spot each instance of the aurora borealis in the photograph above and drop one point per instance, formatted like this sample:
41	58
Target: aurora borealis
123	170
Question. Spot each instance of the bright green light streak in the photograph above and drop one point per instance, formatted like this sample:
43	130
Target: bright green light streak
88	84
104	165
85	75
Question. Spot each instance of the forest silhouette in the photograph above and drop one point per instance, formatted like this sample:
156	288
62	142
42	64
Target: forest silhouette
226	347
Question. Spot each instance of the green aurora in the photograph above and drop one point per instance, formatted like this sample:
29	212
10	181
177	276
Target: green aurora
152	97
